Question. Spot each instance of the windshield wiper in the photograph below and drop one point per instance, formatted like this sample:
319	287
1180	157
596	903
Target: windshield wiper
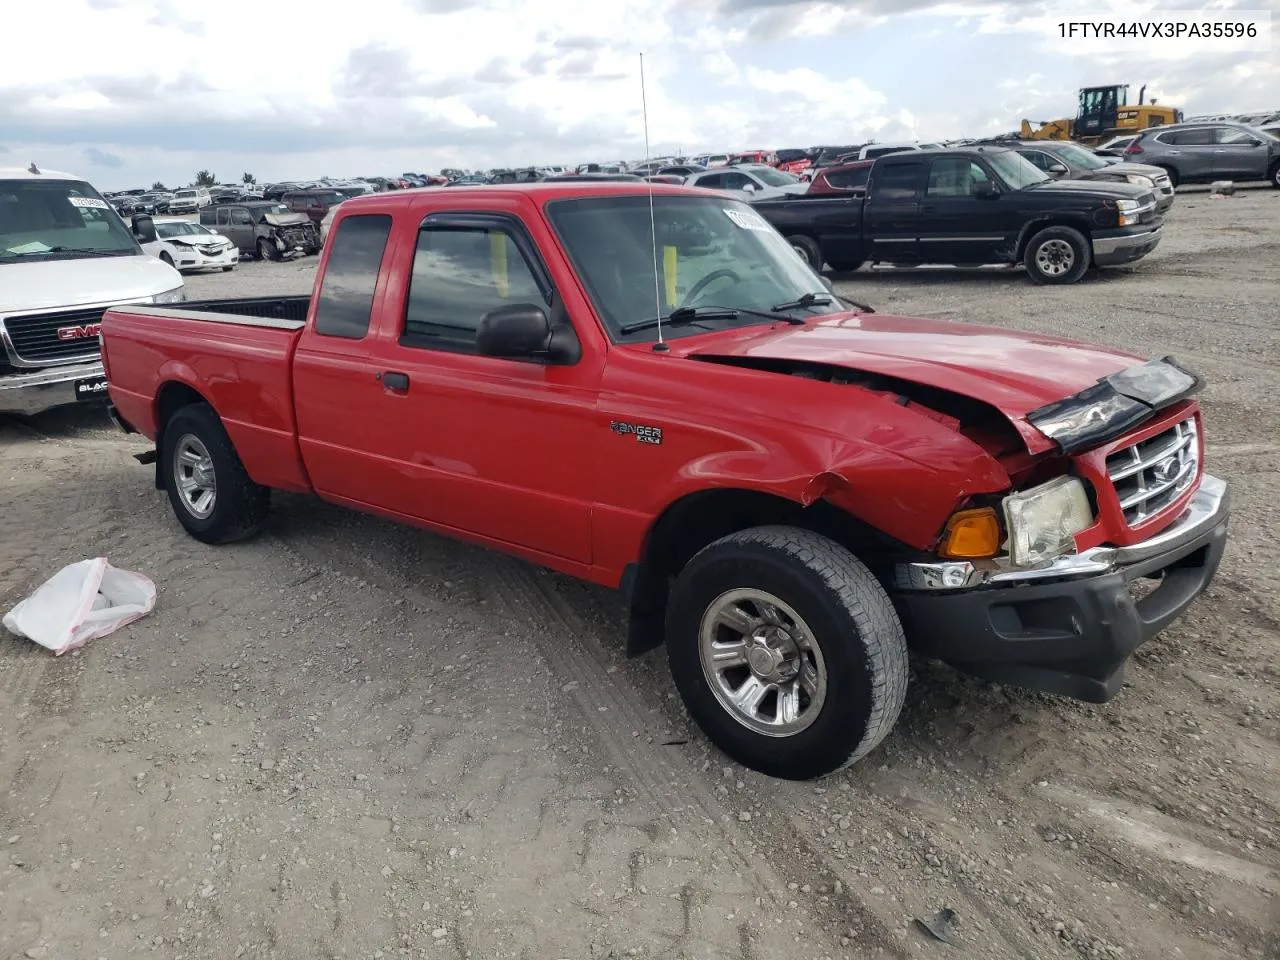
681	316
806	300
686	315
90	251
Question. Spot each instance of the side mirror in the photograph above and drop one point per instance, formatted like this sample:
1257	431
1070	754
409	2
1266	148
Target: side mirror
144	228
520	330
985	190
1057	169
1254	142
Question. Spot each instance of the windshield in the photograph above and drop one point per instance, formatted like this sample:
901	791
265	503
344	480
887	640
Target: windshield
1081	157
59	219
774	178
712	252
1015	169
180	228
185	193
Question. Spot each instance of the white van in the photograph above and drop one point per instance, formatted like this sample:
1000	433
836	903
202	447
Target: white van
65	256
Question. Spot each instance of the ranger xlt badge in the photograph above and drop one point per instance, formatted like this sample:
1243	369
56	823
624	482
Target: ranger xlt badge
643	433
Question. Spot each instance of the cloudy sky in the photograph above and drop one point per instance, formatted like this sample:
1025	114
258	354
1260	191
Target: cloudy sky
130	91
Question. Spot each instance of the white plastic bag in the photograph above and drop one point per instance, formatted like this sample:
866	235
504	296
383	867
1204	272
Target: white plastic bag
81	602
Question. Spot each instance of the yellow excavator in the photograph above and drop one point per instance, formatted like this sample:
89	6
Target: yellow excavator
1103	112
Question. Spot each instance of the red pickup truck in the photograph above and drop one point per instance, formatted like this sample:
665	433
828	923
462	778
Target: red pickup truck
792	490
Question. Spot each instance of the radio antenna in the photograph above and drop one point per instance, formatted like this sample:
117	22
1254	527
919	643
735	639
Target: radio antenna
653	222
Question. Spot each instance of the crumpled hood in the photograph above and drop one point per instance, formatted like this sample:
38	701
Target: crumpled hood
286	219
1014	372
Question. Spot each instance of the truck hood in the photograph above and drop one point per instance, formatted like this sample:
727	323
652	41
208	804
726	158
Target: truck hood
1014	372
1111	189
286	219
52	284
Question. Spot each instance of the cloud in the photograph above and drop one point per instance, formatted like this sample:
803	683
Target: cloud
401	86
100	158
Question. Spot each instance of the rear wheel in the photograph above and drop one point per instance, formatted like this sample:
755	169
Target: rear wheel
786	651
211	494
808	248
1057	255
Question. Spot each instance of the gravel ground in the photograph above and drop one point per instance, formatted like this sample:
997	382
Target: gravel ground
351	739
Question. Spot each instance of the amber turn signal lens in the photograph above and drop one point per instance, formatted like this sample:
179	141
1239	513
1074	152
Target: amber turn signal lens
971	535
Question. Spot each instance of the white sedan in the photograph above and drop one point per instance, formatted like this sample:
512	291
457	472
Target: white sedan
191	246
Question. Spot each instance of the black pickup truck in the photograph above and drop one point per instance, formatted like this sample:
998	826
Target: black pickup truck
971	206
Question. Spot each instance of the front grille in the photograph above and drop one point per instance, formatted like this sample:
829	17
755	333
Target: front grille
1150	475
35	335
301	235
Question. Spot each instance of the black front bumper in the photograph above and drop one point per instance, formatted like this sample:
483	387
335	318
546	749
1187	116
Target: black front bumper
1071	636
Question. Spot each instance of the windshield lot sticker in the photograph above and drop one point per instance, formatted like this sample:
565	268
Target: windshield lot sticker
89	202
642	433
747	220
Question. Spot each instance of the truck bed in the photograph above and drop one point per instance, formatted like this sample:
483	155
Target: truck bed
236	354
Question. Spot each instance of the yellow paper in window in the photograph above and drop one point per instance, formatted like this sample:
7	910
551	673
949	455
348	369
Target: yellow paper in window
669	267
498	263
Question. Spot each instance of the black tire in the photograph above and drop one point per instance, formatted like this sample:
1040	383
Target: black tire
165	258
847	266
1065	249
1274	175
851	620
227	269
1173	176
238	504
267	250
808	248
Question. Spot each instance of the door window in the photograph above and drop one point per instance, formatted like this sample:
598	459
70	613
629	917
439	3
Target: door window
224	217
345	304
459	275
737	181
954	177
1201	137
897	181
714	181
240	217
1230	135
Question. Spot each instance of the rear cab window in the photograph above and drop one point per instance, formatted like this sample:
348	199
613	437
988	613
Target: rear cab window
345	302
897	180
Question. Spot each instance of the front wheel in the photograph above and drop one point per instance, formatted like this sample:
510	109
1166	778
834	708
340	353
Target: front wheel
209	489
1274	175
808	248
267	250
786	651
1057	255
846	266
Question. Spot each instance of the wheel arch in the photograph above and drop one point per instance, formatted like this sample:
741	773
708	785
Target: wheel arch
697	519
1029	230
172	396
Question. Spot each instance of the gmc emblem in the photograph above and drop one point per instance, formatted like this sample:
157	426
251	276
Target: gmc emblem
79	332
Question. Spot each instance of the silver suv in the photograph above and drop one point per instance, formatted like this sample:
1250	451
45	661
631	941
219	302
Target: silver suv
1203	152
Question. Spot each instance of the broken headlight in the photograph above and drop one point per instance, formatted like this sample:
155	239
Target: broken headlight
1042	522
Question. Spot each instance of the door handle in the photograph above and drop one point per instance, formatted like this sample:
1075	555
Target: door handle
394	380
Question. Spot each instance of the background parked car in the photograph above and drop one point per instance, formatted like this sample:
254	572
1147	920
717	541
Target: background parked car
191	246
266	230
749	182
1204	152
190	200
1114	147
314	203
1062	159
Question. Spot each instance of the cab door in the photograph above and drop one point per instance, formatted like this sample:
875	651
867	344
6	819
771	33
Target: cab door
891	212
955	225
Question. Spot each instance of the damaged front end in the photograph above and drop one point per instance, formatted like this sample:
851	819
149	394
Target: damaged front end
293	234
